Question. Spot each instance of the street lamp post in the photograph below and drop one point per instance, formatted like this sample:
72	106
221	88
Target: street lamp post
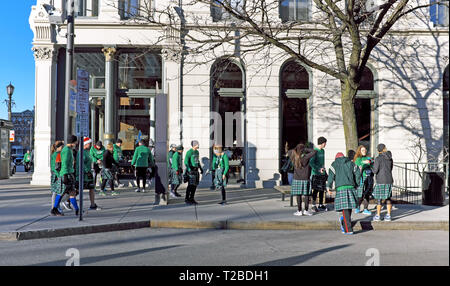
10	91
69	66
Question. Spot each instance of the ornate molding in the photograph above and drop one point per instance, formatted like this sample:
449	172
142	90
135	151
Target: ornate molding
44	53
109	53
171	55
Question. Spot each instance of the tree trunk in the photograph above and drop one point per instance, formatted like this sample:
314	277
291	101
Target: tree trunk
348	116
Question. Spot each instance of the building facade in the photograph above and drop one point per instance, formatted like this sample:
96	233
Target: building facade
402	100
23	123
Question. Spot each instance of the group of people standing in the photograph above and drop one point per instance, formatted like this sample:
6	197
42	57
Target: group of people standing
352	176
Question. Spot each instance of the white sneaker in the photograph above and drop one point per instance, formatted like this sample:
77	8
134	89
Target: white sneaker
143	190
308	213
137	190
297	213
121	185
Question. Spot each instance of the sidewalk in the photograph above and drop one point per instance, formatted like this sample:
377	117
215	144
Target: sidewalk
24	213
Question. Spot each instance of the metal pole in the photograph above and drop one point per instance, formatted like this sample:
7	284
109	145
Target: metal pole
81	174
69	67
9	107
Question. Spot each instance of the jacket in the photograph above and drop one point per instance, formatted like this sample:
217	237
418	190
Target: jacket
303	173
142	157
345	173
222	163
108	160
118	155
382	168
67	161
96	154
318	161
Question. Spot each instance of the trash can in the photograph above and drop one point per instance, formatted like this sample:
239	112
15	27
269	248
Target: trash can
433	188
5	152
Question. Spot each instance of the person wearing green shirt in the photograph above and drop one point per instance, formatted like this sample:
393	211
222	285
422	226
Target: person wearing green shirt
118	157
67	173
96	153
319	175
221	167
27	161
192	163
170	153
365	187
88	178
142	159
56	182
176	170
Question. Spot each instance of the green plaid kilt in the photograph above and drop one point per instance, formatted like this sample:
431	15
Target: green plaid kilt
175	179
319	182
107	174
300	187
360	190
219	182
194	178
88	182
382	191
345	200
56	185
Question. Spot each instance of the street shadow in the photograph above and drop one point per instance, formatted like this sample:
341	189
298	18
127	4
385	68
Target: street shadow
295	260
96	259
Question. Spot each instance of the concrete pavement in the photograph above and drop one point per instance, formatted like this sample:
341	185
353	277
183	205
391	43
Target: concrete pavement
24	213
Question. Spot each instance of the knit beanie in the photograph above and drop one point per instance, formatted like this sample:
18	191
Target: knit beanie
339	155
72	139
194	143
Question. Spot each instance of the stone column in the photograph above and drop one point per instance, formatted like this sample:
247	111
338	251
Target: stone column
93	104
110	95
45	110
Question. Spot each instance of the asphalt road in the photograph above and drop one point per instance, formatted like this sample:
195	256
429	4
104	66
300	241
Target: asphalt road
175	247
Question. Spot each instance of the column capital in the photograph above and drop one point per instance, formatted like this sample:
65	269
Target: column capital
109	53
43	53
171	55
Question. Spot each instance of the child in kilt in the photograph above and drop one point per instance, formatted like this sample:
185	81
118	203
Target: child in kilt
365	187
221	167
346	176
319	175
176	171
382	168
302	172
56	182
107	170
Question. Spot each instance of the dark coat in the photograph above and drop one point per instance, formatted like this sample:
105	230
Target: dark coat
304	171
382	168
108	160
344	172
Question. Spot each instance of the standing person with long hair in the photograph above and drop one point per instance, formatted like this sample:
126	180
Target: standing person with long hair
221	171
319	175
365	187
300	187
142	159
382	168
346	176
56	183
118	156
107	170
288	167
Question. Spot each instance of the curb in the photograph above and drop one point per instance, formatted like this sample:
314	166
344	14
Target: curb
224	225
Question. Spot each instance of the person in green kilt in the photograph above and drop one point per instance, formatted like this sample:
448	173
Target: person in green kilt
346	177
176	171
170	153
55	181
107	170
382	168
365	187
221	167
300	186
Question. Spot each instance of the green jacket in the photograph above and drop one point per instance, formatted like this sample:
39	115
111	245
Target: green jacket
142	157
170	157
97	154
317	162
117	154
53	164
192	160
345	173
27	157
177	161
363	166
87	164
67	161
222	163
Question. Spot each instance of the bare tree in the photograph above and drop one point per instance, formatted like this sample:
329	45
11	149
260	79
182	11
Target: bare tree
337	37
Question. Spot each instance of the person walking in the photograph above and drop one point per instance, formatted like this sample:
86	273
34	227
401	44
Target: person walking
96	153
319	175
88	178
67	174
382	168
107	170
346	176
170	153
118	157
192	163
55	181
365	187
142	159
27	161
212	169
176	171
300	187
221	167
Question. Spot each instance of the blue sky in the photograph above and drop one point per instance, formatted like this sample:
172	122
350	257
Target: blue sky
16	57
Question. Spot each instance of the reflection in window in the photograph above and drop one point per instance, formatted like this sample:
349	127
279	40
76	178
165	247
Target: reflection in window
439	14
128	9
88	8
139	71
294	10
226	74
219	13
94	63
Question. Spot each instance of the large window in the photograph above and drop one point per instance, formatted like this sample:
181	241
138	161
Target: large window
219	13
439	14
128	9
87	8
94	63
139	71
294	10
